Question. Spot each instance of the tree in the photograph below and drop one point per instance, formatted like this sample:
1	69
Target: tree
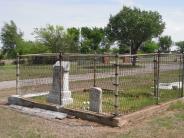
30	47
165	43
72	40
150	47
132	27
10	37
180	44
92	39
52	37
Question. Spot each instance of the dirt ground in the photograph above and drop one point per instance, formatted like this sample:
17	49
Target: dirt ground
13	124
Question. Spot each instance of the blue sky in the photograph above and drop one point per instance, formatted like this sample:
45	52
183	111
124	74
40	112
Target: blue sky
28	14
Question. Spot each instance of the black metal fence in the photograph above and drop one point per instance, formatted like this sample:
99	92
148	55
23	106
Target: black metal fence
128	82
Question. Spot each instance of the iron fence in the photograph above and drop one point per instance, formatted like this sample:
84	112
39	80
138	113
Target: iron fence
128	82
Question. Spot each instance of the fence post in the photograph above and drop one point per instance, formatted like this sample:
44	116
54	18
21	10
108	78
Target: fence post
182	90
158	77
94	70
60	78
17	73
116	101
155	74
180	75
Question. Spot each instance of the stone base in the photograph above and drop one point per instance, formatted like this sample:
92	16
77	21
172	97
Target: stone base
65	98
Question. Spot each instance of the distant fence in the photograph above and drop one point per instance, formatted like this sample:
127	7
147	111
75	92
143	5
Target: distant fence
154	78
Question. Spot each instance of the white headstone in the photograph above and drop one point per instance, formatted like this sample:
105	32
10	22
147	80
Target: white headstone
170	86
95	99
54	95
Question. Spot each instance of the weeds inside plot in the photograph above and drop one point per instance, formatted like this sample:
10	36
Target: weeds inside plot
135	92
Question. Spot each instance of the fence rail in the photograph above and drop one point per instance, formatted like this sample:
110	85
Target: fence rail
128	82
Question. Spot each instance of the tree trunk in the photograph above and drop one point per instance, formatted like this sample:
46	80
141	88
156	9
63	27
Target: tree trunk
134	57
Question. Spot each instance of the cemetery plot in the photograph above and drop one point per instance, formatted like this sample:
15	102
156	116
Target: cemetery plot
136	87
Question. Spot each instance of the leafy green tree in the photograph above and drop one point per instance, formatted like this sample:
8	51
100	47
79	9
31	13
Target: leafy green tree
150	47
105	45
115	50
92	39
123	48
72	40
10	37
165	43
132	27
180	44
31	47
52	37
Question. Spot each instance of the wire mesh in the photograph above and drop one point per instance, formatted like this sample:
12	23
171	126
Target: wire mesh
105	79
81	80
170	77
136	83
36	73
136	79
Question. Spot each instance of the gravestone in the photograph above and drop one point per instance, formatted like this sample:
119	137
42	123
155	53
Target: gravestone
126	59
106	59
170	86
176	85
54	94
165	86
95	99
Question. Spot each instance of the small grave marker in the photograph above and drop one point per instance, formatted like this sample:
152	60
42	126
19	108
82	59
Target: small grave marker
95	99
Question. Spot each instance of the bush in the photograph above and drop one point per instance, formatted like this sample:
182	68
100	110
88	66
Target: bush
150	47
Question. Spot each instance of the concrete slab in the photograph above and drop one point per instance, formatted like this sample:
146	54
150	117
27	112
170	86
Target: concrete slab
40	112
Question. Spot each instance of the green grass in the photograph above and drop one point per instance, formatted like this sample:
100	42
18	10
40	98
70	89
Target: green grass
40	71
177	106
135	92
127	103
8	72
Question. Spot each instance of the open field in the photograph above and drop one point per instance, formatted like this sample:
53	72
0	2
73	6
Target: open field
84	65
17	125
8	72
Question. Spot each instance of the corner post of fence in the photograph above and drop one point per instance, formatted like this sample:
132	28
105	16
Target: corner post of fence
94	70
116	101
180	74
17	73
182	90
155	74
61	77
158	77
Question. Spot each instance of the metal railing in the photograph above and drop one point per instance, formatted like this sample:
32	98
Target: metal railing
127	87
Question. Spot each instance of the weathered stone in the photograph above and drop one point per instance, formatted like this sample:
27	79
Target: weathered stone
106	60
165	86
60	89
126	59
40	112
176	85
95	99
170	86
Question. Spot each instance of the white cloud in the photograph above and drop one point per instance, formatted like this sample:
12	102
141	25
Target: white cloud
174	19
